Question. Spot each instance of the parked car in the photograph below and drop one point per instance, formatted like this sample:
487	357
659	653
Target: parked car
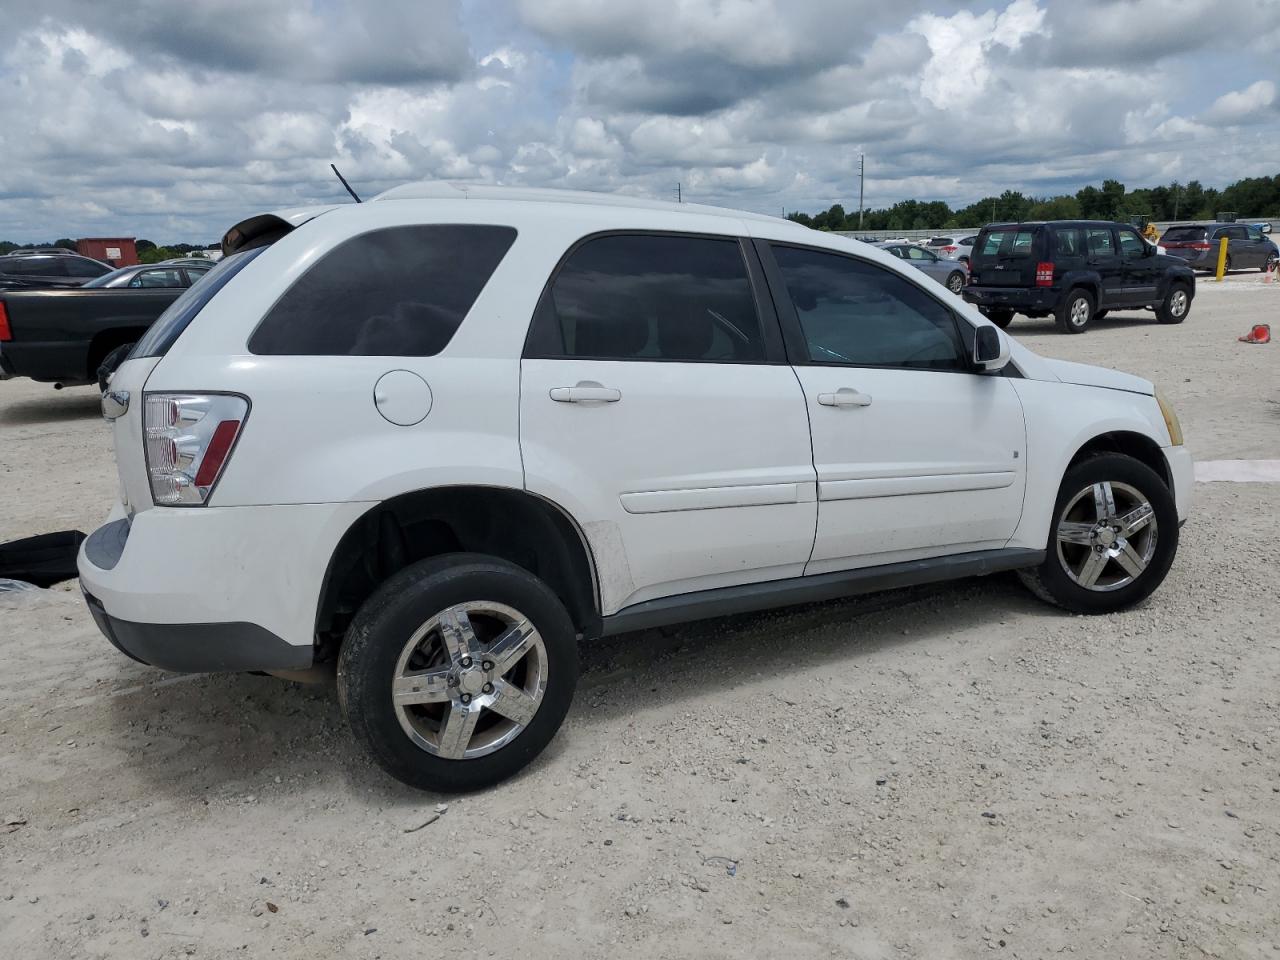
34	271
65	336
1198	244
438	440
205	262
1076	271
949	273
953	247
147	276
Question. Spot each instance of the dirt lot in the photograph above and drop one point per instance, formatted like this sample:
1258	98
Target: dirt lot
937	773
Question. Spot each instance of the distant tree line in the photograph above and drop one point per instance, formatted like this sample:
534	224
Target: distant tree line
148	252
1251	197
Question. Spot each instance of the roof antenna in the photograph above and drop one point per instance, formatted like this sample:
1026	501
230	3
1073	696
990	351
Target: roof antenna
334	168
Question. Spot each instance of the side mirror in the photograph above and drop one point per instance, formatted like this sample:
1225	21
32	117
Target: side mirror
990	349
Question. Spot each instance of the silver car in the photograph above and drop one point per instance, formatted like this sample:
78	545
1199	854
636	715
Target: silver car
952	274
953	247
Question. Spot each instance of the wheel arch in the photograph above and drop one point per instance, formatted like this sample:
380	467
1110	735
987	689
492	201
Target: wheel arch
530	531
1131	443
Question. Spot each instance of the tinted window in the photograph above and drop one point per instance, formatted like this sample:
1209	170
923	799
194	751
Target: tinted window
853	312
84	267
1008	243
1131	244
398	291
1067	242
162	334
941	242
17	267
157	278
1236	233
1183	234
1099	242
650	298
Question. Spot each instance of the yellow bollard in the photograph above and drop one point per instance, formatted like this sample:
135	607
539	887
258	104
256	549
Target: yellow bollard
1222	258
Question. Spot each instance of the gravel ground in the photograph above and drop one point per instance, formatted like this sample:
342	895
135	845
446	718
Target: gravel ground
948	772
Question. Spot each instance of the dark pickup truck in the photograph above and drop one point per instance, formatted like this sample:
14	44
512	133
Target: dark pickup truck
63	336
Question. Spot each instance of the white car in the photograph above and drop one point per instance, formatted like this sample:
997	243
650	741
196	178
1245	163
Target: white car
441	436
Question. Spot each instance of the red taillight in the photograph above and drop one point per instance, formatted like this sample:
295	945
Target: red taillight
224	435
1044	274
1202	245
5	333
948	249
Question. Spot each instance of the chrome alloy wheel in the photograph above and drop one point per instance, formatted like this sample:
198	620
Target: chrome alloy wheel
469	680
1178	303
1079	312
1106	536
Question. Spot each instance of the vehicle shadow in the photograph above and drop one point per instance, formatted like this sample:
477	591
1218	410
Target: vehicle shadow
231	735
74	403
1029	328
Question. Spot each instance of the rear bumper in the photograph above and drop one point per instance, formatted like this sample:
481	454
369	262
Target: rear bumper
1012	298
213	589
63	362
199	647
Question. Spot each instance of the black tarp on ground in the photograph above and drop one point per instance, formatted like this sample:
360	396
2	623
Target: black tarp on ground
43	560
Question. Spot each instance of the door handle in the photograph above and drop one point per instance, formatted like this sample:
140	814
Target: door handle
845	397
586	391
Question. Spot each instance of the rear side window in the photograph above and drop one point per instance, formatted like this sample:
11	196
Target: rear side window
1008	243
84	267
650	297
16	267
1184	234
398	292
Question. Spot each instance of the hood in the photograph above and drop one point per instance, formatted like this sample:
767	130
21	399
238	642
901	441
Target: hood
1089	376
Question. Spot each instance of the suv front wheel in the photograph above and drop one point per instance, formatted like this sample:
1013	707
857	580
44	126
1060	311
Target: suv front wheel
458	671
1112	540
1075	311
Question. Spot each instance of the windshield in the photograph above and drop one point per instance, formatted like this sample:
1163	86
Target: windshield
106	278
165	331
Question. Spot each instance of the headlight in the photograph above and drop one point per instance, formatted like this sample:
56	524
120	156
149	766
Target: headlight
1170	420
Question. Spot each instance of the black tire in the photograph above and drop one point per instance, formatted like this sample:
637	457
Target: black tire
1175	308
383	626
1100	314
1270	263
1071	307
1051	582
1001	318
955	281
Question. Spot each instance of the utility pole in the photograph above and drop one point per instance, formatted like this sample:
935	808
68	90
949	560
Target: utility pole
862	181
679	195
1177	190
993	209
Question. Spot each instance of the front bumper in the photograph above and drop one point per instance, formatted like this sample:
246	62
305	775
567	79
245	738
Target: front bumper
1182	473
1011	298
213	588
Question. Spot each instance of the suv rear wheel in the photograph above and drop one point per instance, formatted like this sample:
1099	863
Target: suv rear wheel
1176	305
1075	311
1113	538
458	671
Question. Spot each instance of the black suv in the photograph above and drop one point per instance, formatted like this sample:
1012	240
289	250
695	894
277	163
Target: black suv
25	271
1076	271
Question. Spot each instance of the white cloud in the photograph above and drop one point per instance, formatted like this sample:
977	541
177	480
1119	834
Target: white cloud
1250	105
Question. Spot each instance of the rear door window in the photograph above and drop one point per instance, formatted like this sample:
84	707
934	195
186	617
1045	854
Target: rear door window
84	267
650	297
398	291
1100	242
1067	242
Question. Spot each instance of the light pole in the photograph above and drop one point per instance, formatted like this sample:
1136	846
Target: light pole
862	180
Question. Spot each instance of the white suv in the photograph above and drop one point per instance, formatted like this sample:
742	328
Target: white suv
440	436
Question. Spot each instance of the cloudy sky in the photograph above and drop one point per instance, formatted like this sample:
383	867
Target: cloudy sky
174	120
